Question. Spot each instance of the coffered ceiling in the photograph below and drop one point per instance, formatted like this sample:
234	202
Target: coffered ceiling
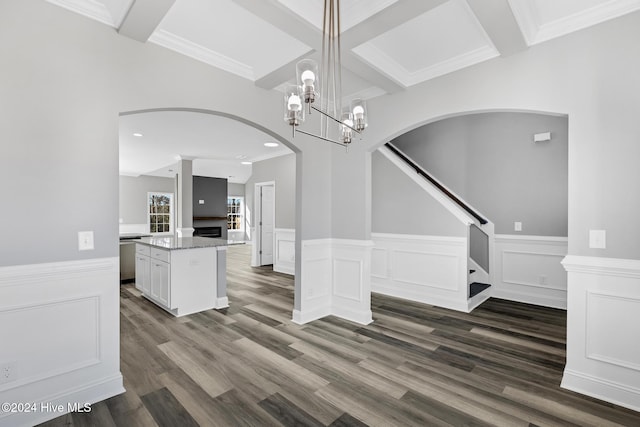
387	45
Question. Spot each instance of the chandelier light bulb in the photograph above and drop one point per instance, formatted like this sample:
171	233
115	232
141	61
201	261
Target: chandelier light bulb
308	78
358	112
294	103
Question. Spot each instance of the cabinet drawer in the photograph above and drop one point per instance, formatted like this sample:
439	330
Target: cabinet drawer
160	255
143	249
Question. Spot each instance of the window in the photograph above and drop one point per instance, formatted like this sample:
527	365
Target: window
235	213
160	212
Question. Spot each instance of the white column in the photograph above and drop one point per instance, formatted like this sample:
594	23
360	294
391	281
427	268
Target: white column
184	203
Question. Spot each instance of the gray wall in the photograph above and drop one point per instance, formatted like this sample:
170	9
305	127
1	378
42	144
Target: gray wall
400	206
491	161
213	191
133	195
235	189
63	88
282	170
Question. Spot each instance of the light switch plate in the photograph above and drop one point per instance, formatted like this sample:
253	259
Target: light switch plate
85	240
597	239
517	226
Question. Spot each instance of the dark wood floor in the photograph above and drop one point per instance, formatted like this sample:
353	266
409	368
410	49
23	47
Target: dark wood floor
249	365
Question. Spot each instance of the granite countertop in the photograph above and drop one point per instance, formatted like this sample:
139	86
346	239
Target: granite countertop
173	242
132	236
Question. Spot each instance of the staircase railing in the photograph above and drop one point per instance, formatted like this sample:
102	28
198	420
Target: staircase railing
439	186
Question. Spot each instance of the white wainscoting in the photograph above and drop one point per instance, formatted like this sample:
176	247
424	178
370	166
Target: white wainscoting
528	269
427	269
603	326
61	334
335	280
315	281
284	259
351	280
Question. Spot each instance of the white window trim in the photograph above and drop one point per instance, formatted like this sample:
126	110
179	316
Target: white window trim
241	213
171	213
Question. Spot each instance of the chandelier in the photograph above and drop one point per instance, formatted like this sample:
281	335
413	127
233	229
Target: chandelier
325	88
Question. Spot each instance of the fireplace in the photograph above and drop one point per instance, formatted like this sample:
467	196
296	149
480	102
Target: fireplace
208	232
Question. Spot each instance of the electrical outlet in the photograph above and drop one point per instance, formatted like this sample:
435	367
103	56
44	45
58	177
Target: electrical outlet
7	372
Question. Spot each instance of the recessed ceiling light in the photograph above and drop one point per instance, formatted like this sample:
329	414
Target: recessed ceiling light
245	163
138	134
271	144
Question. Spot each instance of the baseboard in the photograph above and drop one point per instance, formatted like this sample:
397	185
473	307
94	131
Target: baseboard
438	301
363	317
610	391
222	302
307	316
535	299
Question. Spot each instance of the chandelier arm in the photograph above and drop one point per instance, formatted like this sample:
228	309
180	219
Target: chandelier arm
321	137
336	120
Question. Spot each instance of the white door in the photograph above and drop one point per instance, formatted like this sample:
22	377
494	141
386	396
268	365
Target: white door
267	209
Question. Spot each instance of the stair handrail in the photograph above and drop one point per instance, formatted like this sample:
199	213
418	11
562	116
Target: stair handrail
436	184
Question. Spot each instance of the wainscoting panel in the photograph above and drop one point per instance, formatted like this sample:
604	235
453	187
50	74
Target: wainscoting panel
379	263
529	269
428	269
605	314
431	269
603	325
60	335
347	279
351	296
316	278
285	251
335	280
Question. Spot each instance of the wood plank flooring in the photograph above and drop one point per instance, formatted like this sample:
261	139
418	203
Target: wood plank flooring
249	365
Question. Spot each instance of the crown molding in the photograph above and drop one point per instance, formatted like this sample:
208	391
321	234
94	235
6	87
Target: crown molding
535	32
193	50
89	8
387	65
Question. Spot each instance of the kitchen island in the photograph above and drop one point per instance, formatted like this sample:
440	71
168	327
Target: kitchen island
183	275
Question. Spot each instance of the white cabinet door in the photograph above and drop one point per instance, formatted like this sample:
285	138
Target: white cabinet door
160	282
142	273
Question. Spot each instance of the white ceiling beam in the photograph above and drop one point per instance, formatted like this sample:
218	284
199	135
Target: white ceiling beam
500	25
283	18
281	74
385	20
356	65
143	18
